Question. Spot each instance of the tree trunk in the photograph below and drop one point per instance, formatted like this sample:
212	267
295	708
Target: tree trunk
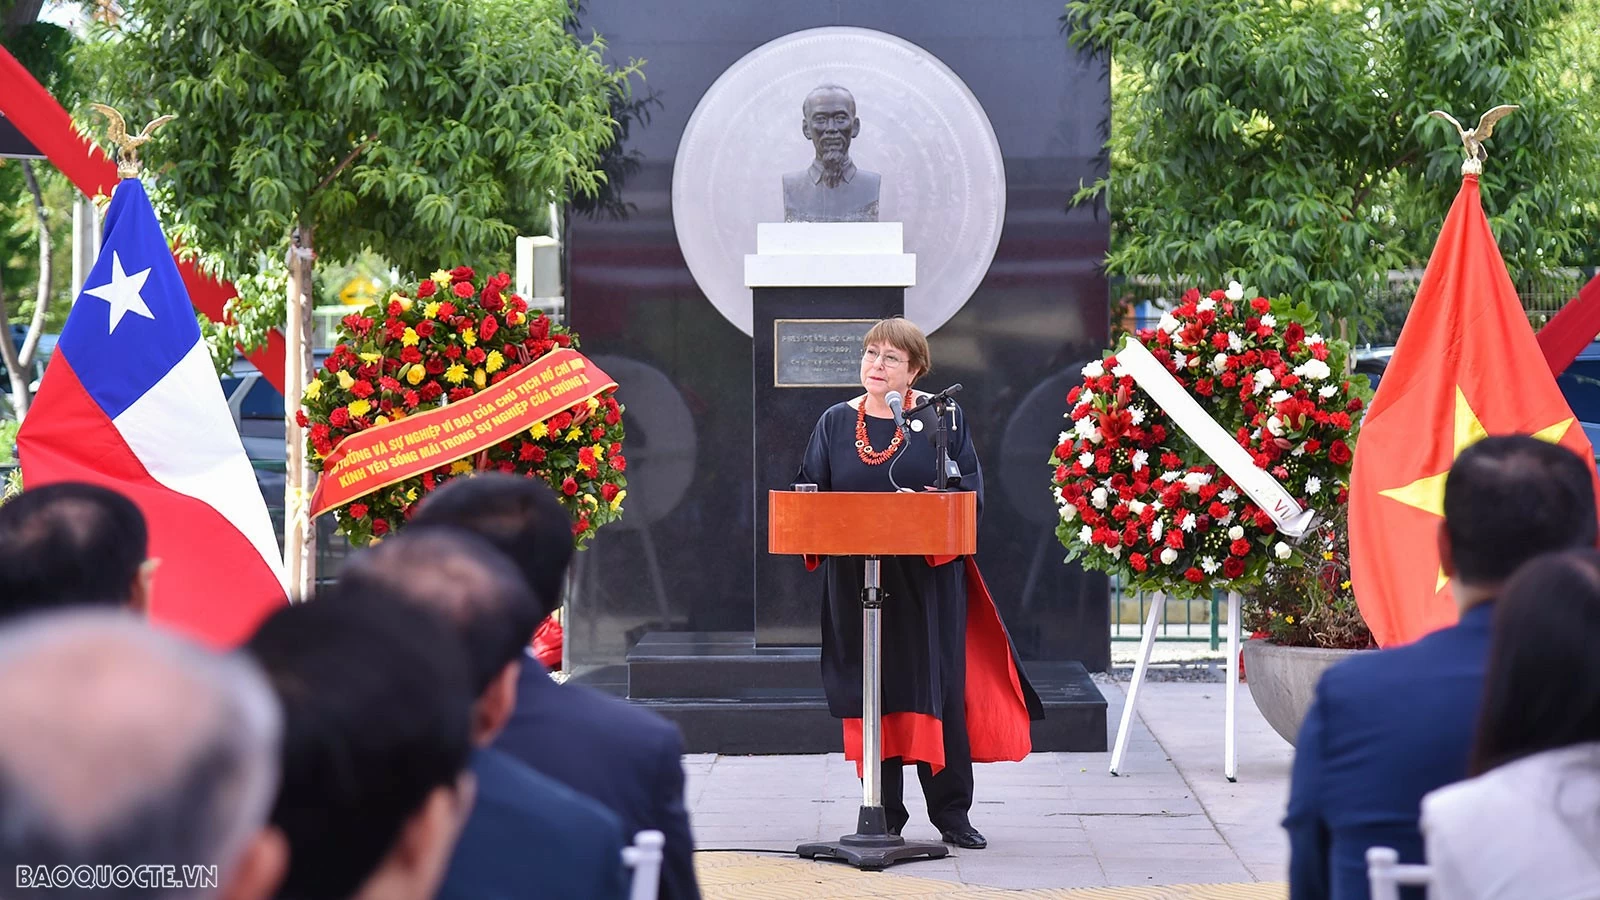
30	343
299	534
8	353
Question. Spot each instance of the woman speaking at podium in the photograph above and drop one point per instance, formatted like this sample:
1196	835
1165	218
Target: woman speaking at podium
953	693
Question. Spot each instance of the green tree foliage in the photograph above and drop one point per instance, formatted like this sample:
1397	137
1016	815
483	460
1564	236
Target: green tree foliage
430	131
1286	143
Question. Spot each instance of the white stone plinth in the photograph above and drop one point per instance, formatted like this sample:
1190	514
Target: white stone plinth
829	254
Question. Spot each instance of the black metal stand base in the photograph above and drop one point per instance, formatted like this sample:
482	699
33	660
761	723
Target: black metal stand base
872	846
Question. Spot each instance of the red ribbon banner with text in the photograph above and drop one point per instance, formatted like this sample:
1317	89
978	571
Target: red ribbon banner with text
394	451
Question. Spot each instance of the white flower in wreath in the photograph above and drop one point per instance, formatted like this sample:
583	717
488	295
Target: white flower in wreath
1226	519
1263	379
1314	339
1116	552
1136	507
1140	460
1235	291
1194	481
1179	360
1275	426
1313	370
1313	485
1228	495
1171	476
1209	565
1169	323
1298	451
1098	498
1235	343
1068	512
1269	320
1094	370
1065	436
1280	396
1188	522
1219	363
1236	533
1087	397
1282	550
1206	305
1168	556
1086	535
1155	531
1086	459
1327	390
1136	414
1086	428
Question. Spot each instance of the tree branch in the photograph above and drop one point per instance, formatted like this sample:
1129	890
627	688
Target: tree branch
348	159
1361	195
41	301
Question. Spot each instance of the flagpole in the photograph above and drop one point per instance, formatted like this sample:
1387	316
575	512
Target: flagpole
299	532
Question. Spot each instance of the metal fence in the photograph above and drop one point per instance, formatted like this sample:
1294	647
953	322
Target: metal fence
1196	621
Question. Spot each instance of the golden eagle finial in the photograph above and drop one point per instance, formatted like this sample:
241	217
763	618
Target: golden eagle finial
127	147
1473	139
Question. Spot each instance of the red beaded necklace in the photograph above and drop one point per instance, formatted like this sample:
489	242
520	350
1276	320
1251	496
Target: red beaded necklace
864	445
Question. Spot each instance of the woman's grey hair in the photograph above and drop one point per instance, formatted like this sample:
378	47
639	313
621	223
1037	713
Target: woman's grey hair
123	745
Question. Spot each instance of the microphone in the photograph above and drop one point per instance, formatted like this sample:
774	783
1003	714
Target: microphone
895	403
941	397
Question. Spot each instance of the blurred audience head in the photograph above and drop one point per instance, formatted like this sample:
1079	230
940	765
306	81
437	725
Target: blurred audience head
126	746
521	517
1506	500
69	544
473	587
1542	689
375	749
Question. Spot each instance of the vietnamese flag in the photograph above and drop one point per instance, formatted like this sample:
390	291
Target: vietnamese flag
1467	365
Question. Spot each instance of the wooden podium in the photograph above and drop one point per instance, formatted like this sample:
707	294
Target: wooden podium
872	525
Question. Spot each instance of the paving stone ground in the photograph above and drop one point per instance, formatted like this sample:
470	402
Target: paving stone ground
1059	825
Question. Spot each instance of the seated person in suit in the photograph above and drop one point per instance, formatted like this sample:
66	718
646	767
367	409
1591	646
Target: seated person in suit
627	758
529	836
1528	823
1387	727
70	544
375	782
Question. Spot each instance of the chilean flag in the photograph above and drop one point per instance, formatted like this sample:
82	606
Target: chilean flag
131	402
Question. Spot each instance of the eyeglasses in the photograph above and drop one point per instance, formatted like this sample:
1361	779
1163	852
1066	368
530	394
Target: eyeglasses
889	360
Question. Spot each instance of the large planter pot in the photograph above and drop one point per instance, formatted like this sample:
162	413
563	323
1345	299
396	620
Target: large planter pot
1283	681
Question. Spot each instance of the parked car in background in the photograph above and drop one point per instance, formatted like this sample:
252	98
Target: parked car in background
1579	384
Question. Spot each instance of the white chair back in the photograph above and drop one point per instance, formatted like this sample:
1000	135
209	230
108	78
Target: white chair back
1385	874
644	858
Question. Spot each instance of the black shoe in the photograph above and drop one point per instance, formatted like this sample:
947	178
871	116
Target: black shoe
895	829
966	838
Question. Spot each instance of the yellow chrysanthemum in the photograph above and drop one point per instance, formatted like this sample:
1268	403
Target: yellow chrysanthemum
371	357
314	389
441	277
415	373
616	502
411	495
345	381
494	362
1288	620
402	299
360	408
479	379
1327	554
599	451
409	338
574	436
431	311
538	431
460	467
470	337
1345	586
456	374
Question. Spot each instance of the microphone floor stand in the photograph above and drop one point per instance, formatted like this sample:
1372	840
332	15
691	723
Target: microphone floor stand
941	445
872	846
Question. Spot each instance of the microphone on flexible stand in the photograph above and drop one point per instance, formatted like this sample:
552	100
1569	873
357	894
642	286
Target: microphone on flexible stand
896	402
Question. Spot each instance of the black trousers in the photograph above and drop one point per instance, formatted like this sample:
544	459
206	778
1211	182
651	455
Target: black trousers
949	793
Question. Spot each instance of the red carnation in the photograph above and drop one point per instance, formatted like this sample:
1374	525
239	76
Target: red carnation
536	455
563	340
411	355
452	352
339	417
1229	380
1240	547
1204	387
411	399
580	526
616	447
1340	420
388	384
358	510
1338	453
1194	575
1218	511
619	462
435	366
446	309
1233	567
476	356
561	421
569	486
460	393
613	416
608	492
380	527
362	389
426	289
1265	523
1174	538
395	329
462	289
1313	446
431	390
1289	380
598	432
1354	405
331	363
586	457
1137	561
1260	304
300	417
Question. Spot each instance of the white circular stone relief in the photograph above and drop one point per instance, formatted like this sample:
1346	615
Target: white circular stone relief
922	131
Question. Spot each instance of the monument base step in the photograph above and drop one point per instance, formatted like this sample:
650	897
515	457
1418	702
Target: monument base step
731	697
